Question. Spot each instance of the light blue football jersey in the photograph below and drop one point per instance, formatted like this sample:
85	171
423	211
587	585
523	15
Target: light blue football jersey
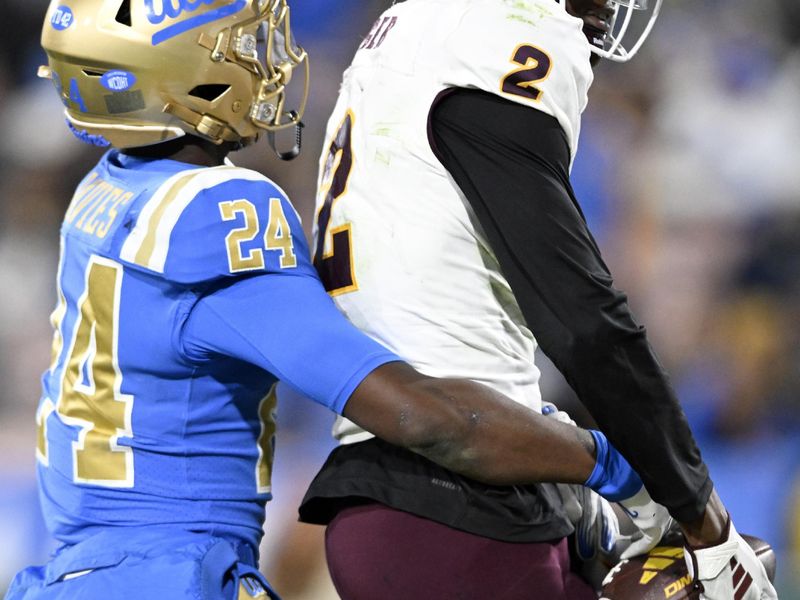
184	294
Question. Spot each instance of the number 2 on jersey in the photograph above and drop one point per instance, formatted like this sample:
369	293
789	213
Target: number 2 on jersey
536	66
336	267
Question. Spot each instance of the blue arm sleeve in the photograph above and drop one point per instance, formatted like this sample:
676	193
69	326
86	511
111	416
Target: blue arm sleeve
612	477
287	325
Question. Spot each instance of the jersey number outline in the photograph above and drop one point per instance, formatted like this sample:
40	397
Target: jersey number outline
335	268
536	67
278	236
266	440
91	397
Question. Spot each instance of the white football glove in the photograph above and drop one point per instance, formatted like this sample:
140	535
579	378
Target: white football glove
651	519
729	570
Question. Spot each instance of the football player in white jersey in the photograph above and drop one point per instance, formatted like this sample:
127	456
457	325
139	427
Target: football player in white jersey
447	229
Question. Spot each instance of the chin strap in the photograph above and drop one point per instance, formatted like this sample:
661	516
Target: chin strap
294	152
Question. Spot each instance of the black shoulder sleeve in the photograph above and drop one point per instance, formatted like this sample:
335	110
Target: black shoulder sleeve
512	164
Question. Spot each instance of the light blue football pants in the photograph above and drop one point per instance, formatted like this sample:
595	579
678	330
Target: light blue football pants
156	563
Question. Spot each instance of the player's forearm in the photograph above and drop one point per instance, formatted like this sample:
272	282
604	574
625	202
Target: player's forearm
470	429
489	438
711	527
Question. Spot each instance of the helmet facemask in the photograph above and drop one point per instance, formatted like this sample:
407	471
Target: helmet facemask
274	53
281	55
631	19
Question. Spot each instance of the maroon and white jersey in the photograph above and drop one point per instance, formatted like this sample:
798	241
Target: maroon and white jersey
398	246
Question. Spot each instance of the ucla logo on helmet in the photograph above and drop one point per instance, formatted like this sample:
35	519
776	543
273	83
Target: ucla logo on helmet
159	10
171	8
61	18
118	81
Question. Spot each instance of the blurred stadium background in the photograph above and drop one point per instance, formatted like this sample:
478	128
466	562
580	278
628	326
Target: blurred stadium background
689	171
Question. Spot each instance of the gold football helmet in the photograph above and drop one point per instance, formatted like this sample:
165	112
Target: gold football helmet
139	72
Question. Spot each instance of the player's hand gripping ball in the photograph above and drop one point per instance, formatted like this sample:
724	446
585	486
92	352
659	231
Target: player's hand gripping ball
661	574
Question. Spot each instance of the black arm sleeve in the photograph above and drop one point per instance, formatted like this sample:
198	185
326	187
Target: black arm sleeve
512	164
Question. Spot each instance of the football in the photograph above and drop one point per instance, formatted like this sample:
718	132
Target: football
662	575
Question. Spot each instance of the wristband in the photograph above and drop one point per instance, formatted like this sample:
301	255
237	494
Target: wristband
612	476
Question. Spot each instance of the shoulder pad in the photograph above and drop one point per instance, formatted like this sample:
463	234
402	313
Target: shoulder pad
205	224
537	56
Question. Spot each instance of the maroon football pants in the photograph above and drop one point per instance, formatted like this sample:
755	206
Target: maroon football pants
377	553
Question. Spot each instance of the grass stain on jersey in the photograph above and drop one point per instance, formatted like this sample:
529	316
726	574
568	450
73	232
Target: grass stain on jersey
531	7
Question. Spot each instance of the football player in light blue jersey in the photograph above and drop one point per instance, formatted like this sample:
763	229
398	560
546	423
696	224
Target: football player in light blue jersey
185	292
